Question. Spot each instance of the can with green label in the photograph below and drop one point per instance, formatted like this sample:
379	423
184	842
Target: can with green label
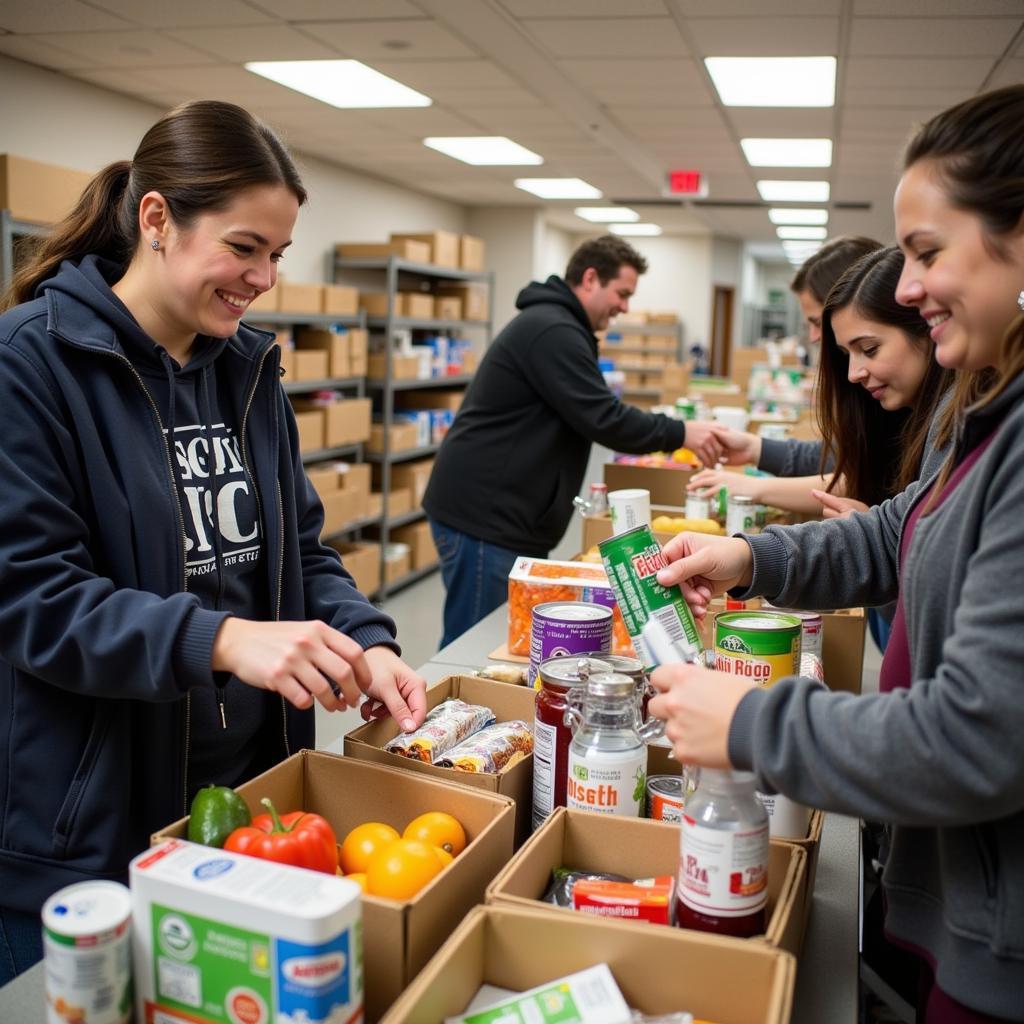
763	647
631	561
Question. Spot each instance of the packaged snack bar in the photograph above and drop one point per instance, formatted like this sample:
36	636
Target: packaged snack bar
493	749
445	726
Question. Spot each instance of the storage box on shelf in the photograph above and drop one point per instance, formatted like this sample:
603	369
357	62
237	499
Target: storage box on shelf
399	937
37	192
363	560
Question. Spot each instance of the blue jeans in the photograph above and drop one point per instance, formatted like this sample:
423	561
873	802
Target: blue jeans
880	629
21	942
475	576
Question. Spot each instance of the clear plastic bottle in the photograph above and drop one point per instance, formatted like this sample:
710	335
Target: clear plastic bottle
723	857
607	756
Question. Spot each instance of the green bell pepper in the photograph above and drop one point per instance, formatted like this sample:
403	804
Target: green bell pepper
216	812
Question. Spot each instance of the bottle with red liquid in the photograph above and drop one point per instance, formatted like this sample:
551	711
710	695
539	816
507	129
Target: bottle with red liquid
723	857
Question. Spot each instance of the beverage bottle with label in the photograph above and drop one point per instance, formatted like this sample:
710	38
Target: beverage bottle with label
723	857
607	756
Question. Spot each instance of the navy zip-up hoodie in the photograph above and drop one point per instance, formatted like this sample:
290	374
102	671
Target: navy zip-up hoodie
100	640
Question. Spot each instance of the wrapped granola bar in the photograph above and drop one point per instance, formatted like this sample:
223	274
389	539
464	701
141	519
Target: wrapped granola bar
445	726
492	749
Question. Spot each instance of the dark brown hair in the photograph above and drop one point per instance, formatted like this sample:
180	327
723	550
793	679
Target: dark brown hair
607	255
877	453
819	272
198	157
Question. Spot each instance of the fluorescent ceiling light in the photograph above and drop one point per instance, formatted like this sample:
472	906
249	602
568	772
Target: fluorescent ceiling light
635	229
795	246
797	215
341	83
774	81
787	152
793	191
558	188
483	150
606	214
800	231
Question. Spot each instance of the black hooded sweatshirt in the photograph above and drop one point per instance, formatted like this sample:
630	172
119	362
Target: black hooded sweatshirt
516	455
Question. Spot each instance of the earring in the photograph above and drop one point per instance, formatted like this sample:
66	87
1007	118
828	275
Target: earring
155	244
1020	300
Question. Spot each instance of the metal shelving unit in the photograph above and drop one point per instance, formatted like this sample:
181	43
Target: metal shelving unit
11	229
412	274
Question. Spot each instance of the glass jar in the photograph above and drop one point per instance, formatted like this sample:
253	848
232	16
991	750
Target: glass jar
740	515
723	857
607	767
626	666
598	499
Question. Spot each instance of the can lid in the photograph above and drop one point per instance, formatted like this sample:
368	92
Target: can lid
87	907
598	487
572	611
741	499
611	684
619	537
618	663
563	671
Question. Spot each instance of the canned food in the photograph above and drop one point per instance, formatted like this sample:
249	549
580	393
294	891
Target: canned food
567	627
812	628
665	797
686	409
697	507
631	667
740	514
87	954
760	646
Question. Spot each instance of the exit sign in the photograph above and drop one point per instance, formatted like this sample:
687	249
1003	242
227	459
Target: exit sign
687	183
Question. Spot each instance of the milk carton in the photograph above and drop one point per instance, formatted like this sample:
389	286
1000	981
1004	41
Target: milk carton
220	938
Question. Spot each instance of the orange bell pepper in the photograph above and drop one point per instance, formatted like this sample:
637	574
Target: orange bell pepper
300	839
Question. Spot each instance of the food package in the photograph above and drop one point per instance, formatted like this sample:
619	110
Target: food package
445	726
513	674
559	892
646	899
811	667
534	581
493	749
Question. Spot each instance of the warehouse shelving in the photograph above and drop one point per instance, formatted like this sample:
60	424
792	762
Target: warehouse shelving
11	230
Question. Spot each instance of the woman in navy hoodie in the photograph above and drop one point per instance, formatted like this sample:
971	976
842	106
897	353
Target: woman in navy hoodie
168	615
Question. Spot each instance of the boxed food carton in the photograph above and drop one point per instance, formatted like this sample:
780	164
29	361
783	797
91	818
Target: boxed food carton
406	249
443	246
399	937
517	948
508	703
39	192
471	252
637	848
362	560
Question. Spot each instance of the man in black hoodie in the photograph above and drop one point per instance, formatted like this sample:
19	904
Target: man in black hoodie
516	455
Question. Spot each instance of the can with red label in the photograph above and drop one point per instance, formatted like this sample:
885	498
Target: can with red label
665	797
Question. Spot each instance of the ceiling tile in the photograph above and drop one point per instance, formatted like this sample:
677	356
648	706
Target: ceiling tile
128	49
373	41
938	37
131	82
183	13
936	8
671	75
332	10
495	99
1010	72
608	37
464	75
35	50
233	84
756	8
781	123
507	119
878	98
916	73
584	9
422	121
67	16
255	42
765	37
888	120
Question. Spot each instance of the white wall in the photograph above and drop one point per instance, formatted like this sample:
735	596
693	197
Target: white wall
48	116
554	256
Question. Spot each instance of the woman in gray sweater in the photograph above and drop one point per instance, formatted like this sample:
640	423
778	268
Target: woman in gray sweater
937	752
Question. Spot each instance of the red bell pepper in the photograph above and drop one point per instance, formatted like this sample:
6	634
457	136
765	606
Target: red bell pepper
300	839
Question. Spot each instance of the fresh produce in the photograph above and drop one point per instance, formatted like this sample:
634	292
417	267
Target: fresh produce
401	869
437	829
362	843
215	813
300	839
678	524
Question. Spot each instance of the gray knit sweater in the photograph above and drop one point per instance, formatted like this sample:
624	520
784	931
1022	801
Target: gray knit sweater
941	760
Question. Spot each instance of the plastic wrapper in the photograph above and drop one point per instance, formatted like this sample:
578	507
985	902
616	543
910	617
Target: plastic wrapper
491	750
559	892
534	581
444	727
514	674
811	667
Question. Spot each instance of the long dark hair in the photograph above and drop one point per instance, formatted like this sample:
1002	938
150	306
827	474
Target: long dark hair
877	453
820	271
198	157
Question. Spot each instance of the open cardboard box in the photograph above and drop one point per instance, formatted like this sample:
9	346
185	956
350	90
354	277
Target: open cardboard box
637	848
667	486
398	937
716	979
507	702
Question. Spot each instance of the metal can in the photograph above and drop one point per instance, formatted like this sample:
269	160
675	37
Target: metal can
631	561
812	629
740	514
686	409
760	646
665	797
87	954
567	627
773	431
697	507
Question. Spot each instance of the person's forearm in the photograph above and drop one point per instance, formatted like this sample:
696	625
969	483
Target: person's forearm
793	494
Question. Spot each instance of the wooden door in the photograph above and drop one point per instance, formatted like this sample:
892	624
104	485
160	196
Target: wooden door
722	298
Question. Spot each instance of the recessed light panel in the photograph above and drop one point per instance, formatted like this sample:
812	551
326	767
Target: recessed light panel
606	214
341	83
800	231
635	229
558	188
794	191
797	215
483	150
787	152
774	81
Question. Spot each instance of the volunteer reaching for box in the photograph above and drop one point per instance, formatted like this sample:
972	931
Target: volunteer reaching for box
937	752
157	530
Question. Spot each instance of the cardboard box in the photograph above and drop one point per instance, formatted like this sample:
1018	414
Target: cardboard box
311	364
474	296
667	486
293	297
347	420
376	304
401	437
508	703
339	300
398	937
471	252
339	510
399	501
443	246
402	367
433	398
39	192
362	560
413	476
375	506
515	948
325	479
358	349
406	249
637	848
311	426
334	343
416	305
421	543
265	302
447	308
662	318
397	562
356	478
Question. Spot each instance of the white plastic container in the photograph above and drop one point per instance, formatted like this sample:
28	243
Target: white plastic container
786	818
221	938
